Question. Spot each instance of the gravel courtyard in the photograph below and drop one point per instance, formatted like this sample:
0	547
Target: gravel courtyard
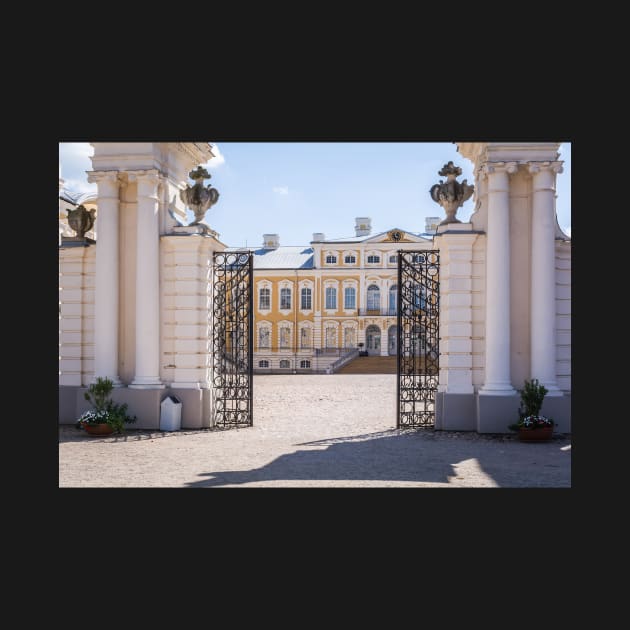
313	430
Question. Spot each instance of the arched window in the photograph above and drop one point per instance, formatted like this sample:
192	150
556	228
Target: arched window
264	302
285	299
263	364
331	298
285	364
350	298
331	259
393	295
373	298
350	259
373	259
307	300
304	365
263	338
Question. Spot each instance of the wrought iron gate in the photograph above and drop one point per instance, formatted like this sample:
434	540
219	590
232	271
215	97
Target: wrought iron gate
418	337
232	349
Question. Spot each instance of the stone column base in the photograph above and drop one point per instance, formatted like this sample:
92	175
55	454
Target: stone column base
455	412
496	412
144	404
558	408
196	407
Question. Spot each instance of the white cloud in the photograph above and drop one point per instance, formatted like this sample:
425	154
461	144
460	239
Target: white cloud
218	158
281	190
74	161
77	185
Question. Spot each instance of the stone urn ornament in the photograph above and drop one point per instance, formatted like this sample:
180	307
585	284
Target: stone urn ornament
81	220
199	198
450	194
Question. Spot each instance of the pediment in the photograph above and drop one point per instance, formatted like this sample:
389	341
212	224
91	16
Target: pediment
396	235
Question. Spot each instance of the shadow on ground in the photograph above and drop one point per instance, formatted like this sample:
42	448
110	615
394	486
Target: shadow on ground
69	433
412	456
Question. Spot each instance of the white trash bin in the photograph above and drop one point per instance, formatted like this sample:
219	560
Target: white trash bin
170	414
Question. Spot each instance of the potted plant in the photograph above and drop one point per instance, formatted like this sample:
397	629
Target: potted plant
531	425
107	416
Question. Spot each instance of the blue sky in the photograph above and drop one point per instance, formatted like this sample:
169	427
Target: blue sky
295	189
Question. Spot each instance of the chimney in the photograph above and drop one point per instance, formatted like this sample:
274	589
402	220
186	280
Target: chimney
431	223
271	241
318	237
363	226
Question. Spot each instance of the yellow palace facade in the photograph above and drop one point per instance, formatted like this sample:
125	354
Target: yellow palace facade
318	305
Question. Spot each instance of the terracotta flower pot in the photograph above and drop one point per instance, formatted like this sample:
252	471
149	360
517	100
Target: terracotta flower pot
99	429
539	434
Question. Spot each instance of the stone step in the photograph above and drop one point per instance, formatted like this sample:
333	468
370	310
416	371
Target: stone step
370	365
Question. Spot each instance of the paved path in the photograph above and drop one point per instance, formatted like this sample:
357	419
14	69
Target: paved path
313	430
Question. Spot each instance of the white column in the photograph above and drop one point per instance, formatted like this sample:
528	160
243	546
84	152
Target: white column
106	290
498	380
147	283
543	276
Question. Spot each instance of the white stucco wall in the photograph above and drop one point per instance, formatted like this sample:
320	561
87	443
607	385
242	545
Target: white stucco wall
563	315
76	320
478	299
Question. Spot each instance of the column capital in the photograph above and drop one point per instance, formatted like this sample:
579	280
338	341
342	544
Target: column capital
541	167
150	175
490	168
147	181
108	183
103	176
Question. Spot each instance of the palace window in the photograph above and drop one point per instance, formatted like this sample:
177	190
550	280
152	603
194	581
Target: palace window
263	338
393	294
305	364
373	259
348	338
419	296
305	338
331	338
393	259
331	298
350	298
285	299
331	260
285	337
373	298
264	302
350	260
418	258
307	302
285	364
263	364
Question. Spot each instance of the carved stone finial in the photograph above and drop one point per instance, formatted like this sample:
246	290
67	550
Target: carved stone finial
198	198
450	169
81	220
451	195
199	173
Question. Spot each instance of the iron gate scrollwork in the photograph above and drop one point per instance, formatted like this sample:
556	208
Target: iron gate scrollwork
232	326
418	337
